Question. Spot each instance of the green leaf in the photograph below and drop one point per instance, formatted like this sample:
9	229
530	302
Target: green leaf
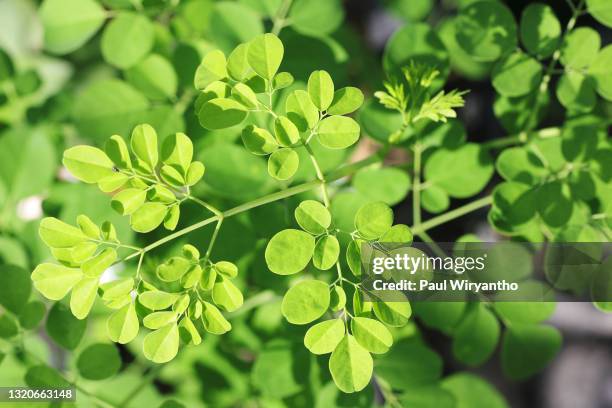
442	316
576	91
600	72
350	365
42	376
144	146
312	216
227	269
127	201
212	68
321	89
15	288
301	111
88	227
237	65
258	140
148	217
154	76
285	131
157	320
338	132
8	326
373	220
99	361
471	391
58	234
516	75
282	80
394	314
195	173
107	107
172	176
157	299
540	30
162	345
486	30
462	172
177	151
27	163
265	54
232	23
283	163
323	337
371	334
398	233
213	320
220	113
580	48
601	10
419	43
95	266
87	163
476	336
113	182
326	252
55	281
274	372
172	217
83	297
32	314
521	165
554	203
386	184
316	18
127	40
353	258
226	294
526	349
173	269
346	100
289	251
122	326
306	301
66	32
245	95
434	199
337	298
409	363
63	328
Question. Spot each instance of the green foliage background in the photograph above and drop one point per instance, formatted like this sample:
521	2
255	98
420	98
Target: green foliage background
75	72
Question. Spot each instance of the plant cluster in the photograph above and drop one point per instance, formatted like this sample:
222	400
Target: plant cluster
274	269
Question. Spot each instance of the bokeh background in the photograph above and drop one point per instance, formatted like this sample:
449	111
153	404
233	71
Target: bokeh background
54	101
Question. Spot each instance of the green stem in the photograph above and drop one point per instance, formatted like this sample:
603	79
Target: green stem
451	215
211	244
280	17
416	191
233	211
552	65
430	242
522	137
147	378
319	173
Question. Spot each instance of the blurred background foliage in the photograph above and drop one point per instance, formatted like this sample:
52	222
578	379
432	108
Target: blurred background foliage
78	71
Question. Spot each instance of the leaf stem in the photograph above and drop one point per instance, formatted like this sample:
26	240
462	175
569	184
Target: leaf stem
451	215
280	18
416	190
147	378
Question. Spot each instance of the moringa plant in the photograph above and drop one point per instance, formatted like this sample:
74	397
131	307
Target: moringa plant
271	146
